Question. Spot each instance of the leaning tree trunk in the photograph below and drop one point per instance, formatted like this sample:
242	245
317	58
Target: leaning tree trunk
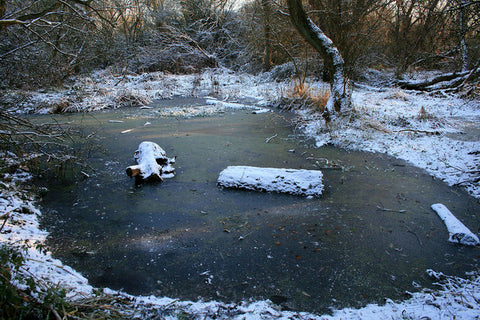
340	97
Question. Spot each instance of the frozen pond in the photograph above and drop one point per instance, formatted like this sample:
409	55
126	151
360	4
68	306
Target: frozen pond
371	235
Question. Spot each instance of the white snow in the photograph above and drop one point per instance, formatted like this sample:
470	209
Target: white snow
233	105
22	231
458	299
294	181
146	155
444	140
458	232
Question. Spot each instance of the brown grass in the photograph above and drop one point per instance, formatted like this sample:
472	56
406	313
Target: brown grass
61	106
423	115
314	98
300	89
320	99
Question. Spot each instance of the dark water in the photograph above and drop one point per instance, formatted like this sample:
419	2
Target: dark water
187	238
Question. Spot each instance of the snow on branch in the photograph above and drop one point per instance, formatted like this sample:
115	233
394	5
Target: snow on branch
294	181
444	81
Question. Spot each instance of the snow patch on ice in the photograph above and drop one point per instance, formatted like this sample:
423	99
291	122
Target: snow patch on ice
234	105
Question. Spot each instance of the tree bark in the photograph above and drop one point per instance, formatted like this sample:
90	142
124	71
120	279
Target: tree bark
267	34
340	96
462	33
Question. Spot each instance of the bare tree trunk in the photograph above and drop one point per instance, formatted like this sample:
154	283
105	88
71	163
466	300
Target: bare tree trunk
267	34
2	8
462	31
450	80
340	97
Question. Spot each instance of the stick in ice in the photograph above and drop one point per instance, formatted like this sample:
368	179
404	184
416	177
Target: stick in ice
458	232
294	181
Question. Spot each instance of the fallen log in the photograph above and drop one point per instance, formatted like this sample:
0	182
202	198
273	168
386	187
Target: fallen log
449	80
152	163
458	232
293	181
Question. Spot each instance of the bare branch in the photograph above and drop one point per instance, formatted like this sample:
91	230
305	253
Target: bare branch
9	22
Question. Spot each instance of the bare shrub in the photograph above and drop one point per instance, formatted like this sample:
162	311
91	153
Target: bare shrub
130	99
301	95
423	115
41	147
61	106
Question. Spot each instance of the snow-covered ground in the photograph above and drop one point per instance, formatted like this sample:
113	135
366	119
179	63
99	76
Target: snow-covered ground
437	133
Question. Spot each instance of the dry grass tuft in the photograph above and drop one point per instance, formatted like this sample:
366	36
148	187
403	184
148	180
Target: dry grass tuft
300	89
130	99
320	99
61	106
423	115
301	95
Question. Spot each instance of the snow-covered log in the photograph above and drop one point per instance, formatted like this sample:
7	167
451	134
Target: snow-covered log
444	81
458	232
293	181
152	163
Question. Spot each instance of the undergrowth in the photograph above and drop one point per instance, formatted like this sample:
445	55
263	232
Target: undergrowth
23	296
27	299
52	149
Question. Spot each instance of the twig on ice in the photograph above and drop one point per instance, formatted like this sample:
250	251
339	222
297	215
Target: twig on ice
270	138
416	236
391	210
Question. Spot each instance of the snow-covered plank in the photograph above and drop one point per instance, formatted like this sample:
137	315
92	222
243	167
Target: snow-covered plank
293	181
458	232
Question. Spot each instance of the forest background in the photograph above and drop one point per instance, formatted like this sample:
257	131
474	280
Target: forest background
44	42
